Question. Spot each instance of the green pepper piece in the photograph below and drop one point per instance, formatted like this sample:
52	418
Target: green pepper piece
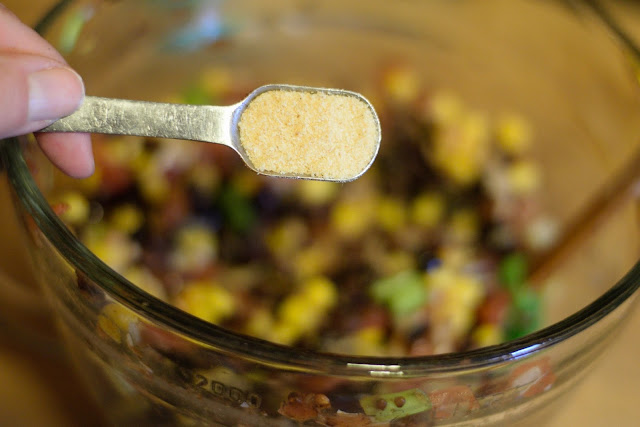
195	95
513	271
237	209
524	315
71	31
403	292
387	407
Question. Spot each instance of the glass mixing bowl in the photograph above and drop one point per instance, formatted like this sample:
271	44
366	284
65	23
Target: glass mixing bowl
557	63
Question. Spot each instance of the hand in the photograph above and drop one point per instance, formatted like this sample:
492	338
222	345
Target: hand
37	87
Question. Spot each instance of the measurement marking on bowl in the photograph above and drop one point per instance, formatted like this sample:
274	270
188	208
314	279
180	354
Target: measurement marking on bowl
221	390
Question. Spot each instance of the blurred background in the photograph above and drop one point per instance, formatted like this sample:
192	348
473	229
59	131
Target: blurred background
37	386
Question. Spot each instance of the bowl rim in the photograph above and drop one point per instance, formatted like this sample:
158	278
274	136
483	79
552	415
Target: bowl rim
28	195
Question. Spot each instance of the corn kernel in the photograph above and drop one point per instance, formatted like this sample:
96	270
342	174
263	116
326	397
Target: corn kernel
204	178
153	184
396	261
464	226
298	310
284	333
461	168
124	150
127	218
454	256
303	311
113	247
459	319
287	237
260	324
439	277
401	84
427	209
115	321
145	280
351	218
320	292
390	213
445	108
461	149
207	300
466	291
141	163
371	335
91	185
312	261
369	340
514	134
486	334
523	177
246	182
315	193
475	128
456	297
196	248
77	212
110	328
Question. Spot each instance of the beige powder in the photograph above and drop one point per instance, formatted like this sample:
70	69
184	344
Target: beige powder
310	134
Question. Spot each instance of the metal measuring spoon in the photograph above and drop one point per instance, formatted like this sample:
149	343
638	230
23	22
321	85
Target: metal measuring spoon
205	123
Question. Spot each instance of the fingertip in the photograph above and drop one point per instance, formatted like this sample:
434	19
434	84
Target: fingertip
54	93
35	91
70	152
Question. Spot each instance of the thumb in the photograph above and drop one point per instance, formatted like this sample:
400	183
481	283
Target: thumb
36	90
37	87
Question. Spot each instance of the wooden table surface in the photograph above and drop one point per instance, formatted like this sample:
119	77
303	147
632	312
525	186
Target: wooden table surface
37	389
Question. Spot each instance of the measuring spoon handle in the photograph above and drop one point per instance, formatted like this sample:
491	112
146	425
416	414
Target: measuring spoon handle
112	116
